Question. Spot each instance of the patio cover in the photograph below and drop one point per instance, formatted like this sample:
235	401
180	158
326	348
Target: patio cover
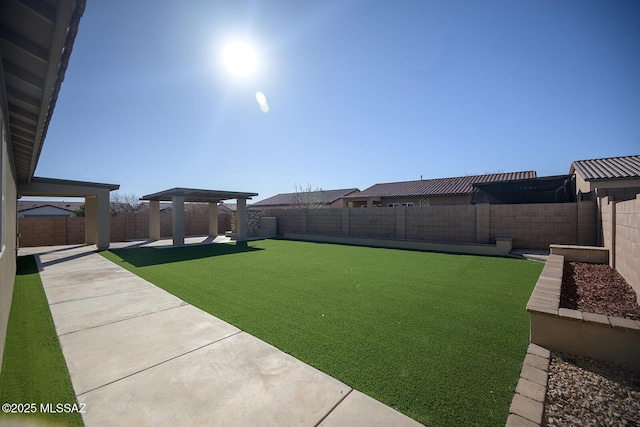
96	199
178	196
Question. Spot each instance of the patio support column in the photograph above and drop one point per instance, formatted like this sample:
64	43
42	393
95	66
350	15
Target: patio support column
213	219
241	219
178	220
97	220
154	220
104	220
91	220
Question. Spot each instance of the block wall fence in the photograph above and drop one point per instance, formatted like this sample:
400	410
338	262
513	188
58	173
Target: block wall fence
49	231
531	226
620	233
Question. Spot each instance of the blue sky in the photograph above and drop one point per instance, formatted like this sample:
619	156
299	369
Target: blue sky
360	92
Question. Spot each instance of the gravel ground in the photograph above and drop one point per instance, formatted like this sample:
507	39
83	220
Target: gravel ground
588	392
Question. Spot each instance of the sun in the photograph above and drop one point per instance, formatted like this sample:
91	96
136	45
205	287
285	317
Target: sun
240	58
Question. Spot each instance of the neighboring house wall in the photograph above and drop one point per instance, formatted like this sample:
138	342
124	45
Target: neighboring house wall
8	208
533	226
462	199
621	235
625	188
457	200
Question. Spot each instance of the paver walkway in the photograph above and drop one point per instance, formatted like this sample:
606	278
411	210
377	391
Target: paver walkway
138	355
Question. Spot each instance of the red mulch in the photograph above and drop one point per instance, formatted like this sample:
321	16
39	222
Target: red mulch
597	288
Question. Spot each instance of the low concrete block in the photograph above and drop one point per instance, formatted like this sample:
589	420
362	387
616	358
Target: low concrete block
531	390
529	409
535	375
517	421
593	254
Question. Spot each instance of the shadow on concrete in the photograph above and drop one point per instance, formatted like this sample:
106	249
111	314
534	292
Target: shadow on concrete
141	257
70	251
26	264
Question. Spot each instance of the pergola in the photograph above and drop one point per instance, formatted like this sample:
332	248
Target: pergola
178	197
96	198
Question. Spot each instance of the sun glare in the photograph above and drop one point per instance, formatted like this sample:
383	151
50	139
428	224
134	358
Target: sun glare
240	58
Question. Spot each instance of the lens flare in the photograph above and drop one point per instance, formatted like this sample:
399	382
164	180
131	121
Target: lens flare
262	101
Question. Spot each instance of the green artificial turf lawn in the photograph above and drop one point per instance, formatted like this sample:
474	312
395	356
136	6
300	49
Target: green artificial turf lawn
439	337
33	367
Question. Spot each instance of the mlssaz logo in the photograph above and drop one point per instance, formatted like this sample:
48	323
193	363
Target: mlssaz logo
62	408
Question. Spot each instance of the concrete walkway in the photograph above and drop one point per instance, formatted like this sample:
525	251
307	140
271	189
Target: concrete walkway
138	355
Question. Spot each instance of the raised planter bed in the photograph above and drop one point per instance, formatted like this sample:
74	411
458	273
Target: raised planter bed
610	338
562	330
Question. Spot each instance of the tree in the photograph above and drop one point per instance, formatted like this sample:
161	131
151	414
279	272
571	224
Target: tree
196	207
80	211
307	197
124	202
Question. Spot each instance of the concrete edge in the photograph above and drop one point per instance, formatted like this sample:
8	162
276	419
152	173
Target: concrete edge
527	405
502	246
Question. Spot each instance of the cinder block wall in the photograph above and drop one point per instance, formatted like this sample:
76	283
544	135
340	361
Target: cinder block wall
626	240
532	226
327	221
196	224
50	231
290	220
372	222
441	223
536	226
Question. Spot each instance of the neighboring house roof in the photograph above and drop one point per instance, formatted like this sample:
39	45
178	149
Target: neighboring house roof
29	205
438	186
228	207
164	206
609	168
323	197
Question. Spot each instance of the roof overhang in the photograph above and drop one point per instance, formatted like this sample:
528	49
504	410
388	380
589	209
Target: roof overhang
197	195
36	38
50	187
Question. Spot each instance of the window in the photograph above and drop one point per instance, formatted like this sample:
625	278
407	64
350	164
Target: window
395	205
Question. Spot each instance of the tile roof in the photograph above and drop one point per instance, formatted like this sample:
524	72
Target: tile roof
323	197
439	186
608	168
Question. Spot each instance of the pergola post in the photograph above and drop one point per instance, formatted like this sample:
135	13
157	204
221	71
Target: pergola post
91	220
97	220
213	219
178	220
154	220
241	219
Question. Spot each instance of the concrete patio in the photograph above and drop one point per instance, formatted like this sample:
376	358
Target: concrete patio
138	355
